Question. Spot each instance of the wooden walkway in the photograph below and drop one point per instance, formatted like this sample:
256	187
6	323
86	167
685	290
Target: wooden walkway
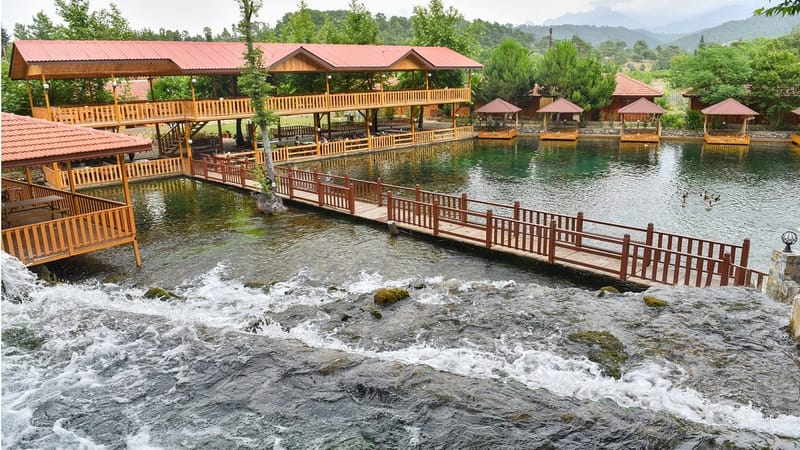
644	256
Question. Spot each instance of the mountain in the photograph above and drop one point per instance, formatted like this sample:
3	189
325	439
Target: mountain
600	16
744	30
708	19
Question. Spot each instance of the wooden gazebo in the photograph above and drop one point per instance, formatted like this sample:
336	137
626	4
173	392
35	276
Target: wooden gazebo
796	136
43	224
646	113
728	111
558	128
490	111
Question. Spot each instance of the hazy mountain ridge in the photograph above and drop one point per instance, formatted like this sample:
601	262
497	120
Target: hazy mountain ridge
746	29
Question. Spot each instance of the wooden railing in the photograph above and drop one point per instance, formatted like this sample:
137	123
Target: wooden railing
727	138
110	174
92	224
139	113
650	255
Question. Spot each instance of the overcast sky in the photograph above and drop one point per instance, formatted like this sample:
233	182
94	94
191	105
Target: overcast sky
193	15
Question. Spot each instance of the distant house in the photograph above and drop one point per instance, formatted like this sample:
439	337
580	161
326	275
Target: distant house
628	90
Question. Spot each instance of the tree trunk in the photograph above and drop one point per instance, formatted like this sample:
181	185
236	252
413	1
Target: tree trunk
268	202
239	135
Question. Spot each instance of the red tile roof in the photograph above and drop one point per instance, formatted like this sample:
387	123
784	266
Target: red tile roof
183	57
28	141
729	107
561	105
498	106
642	106
630	87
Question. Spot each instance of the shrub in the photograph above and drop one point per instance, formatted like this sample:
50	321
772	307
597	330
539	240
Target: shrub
673	120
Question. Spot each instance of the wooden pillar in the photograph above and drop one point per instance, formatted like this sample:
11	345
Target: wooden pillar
316	132
72	188
188	132
219	136
129	202
46	90
368	120
114	85
158	128
30	93
194	99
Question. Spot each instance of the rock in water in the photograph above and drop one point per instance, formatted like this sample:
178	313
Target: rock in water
268	204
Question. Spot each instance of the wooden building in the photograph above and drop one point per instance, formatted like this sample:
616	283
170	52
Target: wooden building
719	118
647	117
561	120
493	119
628	90
177	121
43	224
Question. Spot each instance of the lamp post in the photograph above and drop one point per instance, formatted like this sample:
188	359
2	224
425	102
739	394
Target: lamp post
789	238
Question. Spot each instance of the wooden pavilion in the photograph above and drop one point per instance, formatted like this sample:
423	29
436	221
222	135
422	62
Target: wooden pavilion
627	91
796	136
492	130
43	224
646	113
727	112
558	128
45	61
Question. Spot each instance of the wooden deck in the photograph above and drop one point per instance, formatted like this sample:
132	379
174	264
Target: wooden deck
558	135
796	138
639	136
726	139
637	255
35	236
510	133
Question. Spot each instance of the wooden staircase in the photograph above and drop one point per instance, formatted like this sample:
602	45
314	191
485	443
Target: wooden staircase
171	141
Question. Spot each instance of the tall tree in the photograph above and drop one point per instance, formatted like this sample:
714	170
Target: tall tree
300	28
359	26
508	73
585	80
253	83
773	87
714	73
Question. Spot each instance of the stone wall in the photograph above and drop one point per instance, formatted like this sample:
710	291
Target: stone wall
794	322
783	283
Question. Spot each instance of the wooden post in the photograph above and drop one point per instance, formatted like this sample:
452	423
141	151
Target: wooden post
648	241
551	242
579	229
46	90
417	197
389	205
489	228
188	132
516	218
129	202
379	191
436	217
351	198
623	259
463	207
290	182
725	269
117	114
30	93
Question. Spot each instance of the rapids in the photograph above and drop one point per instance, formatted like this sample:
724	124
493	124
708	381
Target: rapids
304	363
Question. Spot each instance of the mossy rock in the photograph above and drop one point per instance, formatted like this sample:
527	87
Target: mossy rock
23	338
654	302
376	314
388	296
606	350
567	416
605	290
161	294
330	369
255	284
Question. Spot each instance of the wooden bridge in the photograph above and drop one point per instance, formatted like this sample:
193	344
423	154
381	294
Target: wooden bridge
643	256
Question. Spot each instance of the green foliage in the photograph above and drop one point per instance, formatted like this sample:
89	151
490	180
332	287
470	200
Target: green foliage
784	8
583	80
171	88
694	120
714	73
359	27
508	73
775	80
673	120
14	94
23	338
300	28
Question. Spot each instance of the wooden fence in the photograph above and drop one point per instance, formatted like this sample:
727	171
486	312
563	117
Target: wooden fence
110	174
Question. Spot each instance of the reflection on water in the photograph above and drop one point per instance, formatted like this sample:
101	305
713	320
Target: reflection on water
632	184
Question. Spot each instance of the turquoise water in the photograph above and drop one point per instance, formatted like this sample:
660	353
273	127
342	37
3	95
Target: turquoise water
630	184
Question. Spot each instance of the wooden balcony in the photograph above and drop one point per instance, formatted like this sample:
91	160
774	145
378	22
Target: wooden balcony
35	236
141	113
110	174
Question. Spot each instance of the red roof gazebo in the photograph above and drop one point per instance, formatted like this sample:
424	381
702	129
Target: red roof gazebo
563	132
729	110
502	108
643	111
